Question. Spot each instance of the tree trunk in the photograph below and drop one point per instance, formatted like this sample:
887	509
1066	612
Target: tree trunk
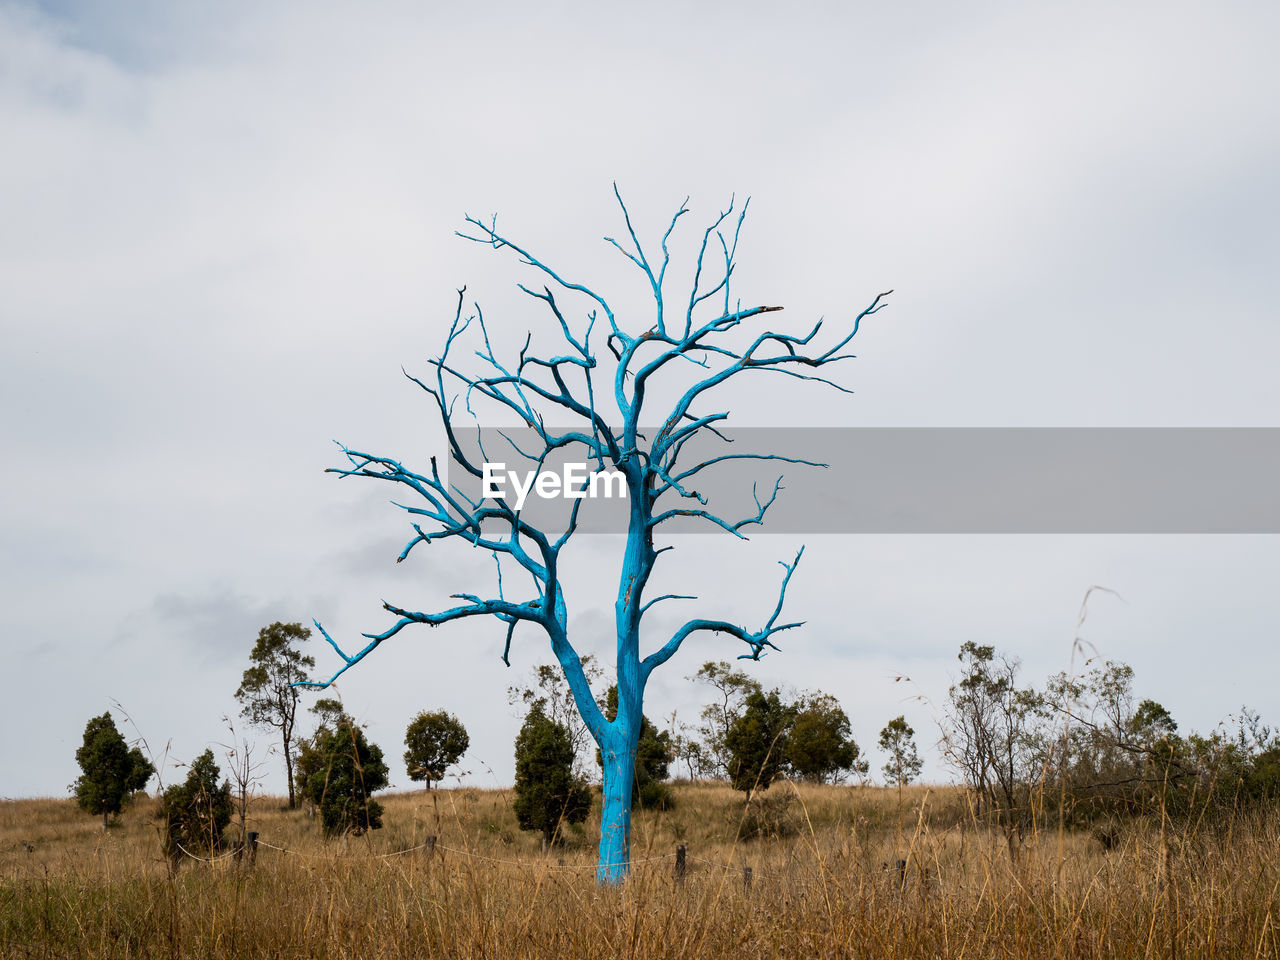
619	756
288	766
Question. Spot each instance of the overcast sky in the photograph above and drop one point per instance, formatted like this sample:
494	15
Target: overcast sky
225	227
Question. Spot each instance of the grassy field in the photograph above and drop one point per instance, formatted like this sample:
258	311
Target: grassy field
825	883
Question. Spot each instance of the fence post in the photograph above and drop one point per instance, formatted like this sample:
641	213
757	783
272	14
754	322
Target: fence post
902	874
253	847
746	879
429	846
680	867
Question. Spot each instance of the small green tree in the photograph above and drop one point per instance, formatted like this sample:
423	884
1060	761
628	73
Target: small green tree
547	793
196	811
546	687
820	744
111	772
653	759
435	740
339	770
267	695
904	762
757	741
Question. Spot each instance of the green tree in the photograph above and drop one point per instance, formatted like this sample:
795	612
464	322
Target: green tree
547	688
547	793
820	745
653	759
267	695
896	739
111	772
757	741
338	770
197	810
435	740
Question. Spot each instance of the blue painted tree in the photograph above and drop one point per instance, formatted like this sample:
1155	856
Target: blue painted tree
708	334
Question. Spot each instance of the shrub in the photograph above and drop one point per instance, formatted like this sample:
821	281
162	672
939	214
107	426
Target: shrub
338	770
546	791
196	811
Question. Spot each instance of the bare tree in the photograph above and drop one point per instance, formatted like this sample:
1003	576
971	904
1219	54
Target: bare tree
992	736
245	776
696	343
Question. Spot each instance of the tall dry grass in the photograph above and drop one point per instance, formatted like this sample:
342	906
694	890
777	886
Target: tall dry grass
825	883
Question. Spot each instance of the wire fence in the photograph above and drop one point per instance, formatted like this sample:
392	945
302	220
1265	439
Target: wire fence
815	875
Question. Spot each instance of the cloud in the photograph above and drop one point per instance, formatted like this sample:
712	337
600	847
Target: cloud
227	227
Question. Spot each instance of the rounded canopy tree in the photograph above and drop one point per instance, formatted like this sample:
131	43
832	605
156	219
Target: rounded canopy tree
435	740
111	772
695	343
820	746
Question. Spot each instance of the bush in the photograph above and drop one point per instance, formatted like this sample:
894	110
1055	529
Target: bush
196	811
546	791
338	770
765	816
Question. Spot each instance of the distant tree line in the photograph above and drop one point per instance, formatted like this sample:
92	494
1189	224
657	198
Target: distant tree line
1085	742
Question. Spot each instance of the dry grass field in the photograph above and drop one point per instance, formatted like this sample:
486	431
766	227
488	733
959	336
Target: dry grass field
825	883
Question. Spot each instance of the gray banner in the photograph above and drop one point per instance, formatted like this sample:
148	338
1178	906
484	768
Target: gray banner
934	480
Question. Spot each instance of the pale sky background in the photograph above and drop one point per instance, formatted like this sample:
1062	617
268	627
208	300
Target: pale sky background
224	228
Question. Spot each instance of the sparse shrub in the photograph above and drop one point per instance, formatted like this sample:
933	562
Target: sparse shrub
765	816
196	811
896	739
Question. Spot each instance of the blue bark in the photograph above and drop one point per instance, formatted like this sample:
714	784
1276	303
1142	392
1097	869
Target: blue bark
618	755
536	389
